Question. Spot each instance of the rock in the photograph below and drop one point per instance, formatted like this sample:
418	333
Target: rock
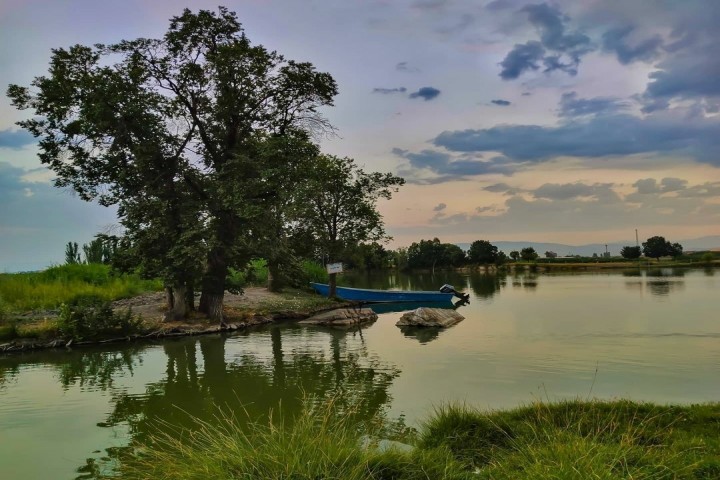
342	316
430	317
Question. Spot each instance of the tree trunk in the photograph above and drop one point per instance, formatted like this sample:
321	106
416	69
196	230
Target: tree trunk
168	298
213	286
190	297
274	283
179	304
333	285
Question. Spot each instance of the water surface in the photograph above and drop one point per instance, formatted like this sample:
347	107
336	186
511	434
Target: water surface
643	335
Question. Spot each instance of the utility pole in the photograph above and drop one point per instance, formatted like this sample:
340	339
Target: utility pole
637	242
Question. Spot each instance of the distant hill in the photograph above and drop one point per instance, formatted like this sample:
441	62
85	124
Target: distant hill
702	243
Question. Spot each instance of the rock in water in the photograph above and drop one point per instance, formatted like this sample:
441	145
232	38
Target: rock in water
342	316
430	317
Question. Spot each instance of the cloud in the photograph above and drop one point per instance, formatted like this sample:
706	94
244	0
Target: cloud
16	139
500	102
521	58
646	186
405	67
426	93
615	40
669	184
429	4
550	23
497	5
439	207
567	47
388	91
608	135
503	188
572	106
567	191
444	167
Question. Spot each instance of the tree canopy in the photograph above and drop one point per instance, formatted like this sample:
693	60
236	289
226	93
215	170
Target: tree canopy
171	131
630	253
656	247
482	251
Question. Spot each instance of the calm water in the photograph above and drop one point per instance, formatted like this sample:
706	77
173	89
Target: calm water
643	335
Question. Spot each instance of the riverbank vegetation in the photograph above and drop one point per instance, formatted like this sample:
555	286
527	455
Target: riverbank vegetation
571	439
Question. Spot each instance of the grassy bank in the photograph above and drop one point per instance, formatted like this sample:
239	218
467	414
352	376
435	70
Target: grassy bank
48	289
568	440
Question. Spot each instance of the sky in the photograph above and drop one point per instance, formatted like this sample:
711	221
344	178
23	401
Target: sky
573	121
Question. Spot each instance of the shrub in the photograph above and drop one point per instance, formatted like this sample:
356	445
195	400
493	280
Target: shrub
91	318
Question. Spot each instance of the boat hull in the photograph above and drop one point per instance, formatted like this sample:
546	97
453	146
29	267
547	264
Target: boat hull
382	296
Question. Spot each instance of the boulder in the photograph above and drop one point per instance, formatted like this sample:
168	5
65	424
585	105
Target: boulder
430	317
342	316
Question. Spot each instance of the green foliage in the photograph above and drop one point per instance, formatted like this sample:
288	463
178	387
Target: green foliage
61	284
708	258
528	254
656	247
71	253
339	203
314	272
631	253
90	317
482	252
433	253
515	255
550	254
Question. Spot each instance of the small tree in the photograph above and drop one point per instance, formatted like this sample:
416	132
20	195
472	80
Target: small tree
528	254
514	255
631	253
550	254
340	205
72	256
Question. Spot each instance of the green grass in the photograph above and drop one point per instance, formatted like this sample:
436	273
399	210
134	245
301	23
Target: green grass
579	440
319	444
48	289
566	440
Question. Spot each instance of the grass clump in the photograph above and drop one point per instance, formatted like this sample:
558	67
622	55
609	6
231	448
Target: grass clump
578	440
319	444
66	283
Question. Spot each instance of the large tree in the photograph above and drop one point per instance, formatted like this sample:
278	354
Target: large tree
656	247
179	120
339	205
629	252
482	251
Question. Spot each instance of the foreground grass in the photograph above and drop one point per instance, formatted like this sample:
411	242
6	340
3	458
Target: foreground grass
568	440
48	289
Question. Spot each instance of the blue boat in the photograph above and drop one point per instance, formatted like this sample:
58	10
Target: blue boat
383	296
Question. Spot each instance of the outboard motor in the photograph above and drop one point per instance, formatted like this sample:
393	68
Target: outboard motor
450	289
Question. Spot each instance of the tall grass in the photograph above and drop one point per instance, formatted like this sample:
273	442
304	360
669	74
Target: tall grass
50	288
319	444
567	440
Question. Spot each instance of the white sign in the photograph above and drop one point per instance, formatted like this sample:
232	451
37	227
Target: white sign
334	268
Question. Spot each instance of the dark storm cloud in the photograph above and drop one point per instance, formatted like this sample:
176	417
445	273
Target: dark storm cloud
500	102
593	137
521	58
446	167
387	91
616	40
16	139
693	74
567	191
572	106
426	93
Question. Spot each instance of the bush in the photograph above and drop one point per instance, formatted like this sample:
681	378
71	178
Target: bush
314	272
91	317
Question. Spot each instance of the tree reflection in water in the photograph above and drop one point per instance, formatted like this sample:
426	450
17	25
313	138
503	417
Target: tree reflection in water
245	385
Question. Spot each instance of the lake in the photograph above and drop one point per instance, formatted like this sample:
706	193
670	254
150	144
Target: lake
646	335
